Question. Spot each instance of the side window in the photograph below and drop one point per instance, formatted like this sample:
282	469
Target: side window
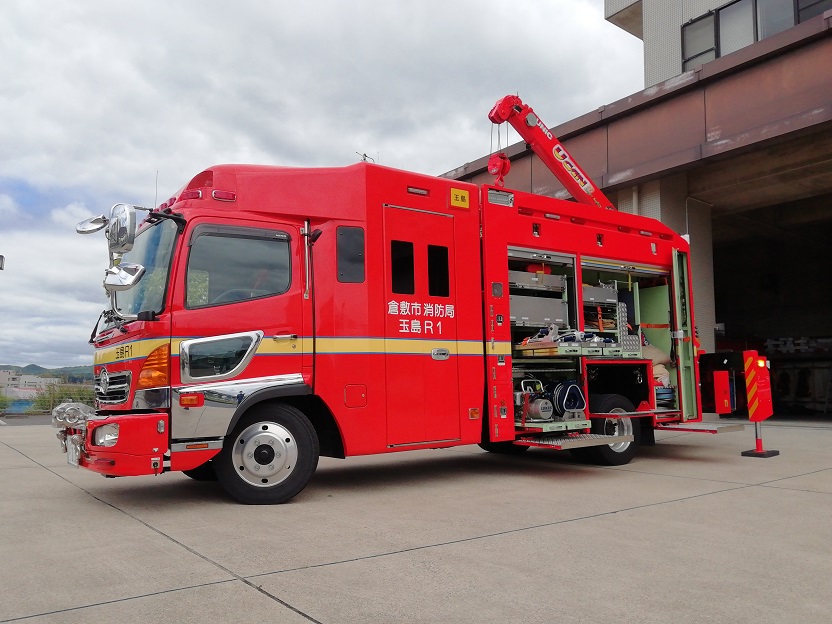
350	252
228	267
217	357
439	281
402	264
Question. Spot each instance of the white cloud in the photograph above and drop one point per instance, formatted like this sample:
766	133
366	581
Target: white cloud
70	215
8	208
99	96
50	297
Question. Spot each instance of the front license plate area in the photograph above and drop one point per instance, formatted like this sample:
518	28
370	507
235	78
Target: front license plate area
73	450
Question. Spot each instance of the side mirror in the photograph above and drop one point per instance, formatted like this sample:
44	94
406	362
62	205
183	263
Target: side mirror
121	230
122	277
93	224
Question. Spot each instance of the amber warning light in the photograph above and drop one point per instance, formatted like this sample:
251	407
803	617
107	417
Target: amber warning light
192	400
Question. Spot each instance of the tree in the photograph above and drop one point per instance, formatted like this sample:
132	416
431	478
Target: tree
52	395
4	402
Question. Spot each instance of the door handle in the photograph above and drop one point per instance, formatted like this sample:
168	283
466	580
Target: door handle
440	354
285	337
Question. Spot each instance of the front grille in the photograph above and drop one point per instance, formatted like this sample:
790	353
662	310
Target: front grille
118	389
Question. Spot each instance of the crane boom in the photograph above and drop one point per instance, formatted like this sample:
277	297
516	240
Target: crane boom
548	148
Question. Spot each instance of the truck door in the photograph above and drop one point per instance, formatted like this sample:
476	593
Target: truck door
421	365
683	335
239	318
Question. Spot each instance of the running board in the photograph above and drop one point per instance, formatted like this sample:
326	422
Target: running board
701	427
562	443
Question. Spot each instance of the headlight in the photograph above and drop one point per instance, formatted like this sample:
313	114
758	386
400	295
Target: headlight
105	435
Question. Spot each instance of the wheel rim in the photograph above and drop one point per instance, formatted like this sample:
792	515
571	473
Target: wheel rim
265	454
618	427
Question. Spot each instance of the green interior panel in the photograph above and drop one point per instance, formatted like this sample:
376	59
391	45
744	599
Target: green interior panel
654	309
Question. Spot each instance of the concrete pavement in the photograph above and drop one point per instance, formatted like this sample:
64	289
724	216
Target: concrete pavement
690	531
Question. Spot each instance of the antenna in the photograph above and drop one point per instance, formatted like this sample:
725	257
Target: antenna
156	192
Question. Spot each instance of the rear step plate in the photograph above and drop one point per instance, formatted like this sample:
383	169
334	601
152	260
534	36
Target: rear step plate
700	427
579	441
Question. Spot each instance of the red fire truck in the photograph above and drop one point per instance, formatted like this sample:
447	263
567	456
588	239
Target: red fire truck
264	316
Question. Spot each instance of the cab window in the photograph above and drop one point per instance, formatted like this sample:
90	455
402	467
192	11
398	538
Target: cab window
233	264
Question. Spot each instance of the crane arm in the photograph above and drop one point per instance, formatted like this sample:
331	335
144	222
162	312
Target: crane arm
549	149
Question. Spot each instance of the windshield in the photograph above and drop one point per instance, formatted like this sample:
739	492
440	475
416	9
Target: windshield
153	250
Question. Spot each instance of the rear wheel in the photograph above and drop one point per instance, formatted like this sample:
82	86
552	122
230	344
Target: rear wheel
617	453
269	457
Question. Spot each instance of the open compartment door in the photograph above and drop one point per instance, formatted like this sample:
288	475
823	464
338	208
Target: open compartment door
683	335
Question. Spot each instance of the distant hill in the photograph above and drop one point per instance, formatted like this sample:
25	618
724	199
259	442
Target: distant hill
70	374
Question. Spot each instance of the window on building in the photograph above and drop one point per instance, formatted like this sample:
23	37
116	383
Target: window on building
740	23
807	9
698	42
774	16
736	26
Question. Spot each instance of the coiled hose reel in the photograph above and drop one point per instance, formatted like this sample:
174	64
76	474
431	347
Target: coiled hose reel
557	401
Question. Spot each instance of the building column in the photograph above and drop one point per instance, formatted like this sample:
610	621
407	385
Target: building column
666	199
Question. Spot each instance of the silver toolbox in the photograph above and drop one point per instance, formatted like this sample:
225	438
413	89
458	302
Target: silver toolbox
541	281
538	311
596	294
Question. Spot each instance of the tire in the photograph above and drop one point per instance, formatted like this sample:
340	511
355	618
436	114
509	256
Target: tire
503	448
204	472
269	457
616	454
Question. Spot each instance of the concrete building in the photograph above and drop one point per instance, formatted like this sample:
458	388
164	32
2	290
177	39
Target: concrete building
730	142
11	380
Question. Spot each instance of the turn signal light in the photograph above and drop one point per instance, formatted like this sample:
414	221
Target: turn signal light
761	362
192	400
156	369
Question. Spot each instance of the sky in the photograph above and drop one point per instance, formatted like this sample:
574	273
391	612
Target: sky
123	102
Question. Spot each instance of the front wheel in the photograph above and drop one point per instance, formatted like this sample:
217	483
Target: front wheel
269	457
204	472
617	453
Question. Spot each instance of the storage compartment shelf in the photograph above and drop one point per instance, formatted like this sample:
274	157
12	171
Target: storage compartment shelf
537	311
536	281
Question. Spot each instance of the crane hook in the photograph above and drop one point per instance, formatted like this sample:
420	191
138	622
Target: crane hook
499	165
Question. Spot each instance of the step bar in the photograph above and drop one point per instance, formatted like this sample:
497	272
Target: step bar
701	427
562	443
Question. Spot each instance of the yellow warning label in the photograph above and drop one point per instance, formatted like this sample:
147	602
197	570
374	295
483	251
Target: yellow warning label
459	198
